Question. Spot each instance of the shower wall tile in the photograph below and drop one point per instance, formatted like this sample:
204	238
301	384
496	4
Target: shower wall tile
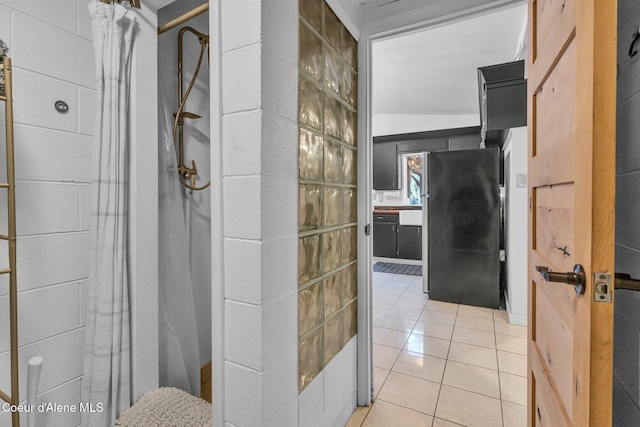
240	135
243	280
310	212
279	23
310	308
38	198
83	296
311	10
276	193
36	306
280	269
279	157
84	20
242	207
64	351
68	57
241	23
61	13
241	76
86	111
5	27
51	259
311	157
243	334
49	155
65	394
86	200
279	85
38	93
280	330
311	53
243	394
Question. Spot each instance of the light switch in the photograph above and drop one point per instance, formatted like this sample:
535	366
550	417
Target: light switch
521	180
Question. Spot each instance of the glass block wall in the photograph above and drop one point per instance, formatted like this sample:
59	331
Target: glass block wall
327	253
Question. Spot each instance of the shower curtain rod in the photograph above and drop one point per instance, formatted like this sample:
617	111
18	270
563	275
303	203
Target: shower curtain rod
133	3
183	18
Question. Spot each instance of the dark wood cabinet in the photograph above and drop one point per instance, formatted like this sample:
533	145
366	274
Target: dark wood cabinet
385	240
385	166
410	242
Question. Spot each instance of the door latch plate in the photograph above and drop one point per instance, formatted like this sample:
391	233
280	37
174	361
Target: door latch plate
602	286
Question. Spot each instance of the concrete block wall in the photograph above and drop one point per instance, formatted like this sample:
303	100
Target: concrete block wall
52	56
259	107
626	385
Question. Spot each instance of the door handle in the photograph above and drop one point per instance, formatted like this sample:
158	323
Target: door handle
577	277
624	281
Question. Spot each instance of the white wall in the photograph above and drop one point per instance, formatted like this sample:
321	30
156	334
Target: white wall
516	212
196	142
53	59
391	124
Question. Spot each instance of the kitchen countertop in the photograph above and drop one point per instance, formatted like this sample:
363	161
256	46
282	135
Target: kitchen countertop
390	210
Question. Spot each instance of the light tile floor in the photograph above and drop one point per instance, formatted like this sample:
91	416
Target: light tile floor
438	364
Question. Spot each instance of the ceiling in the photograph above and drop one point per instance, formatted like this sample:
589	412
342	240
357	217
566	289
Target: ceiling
435	71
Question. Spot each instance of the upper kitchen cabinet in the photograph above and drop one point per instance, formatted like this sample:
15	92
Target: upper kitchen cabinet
503	100
385	166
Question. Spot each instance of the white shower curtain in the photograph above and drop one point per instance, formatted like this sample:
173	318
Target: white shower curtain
106	380
179	350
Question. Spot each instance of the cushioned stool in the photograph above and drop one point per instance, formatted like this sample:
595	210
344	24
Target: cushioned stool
167	407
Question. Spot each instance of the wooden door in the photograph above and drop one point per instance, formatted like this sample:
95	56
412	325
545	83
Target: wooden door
571	104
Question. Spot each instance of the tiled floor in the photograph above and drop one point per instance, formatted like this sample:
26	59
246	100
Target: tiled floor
438	364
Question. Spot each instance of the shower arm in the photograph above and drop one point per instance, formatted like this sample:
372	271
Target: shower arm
185	173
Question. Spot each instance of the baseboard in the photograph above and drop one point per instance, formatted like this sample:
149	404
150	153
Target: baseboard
205	382
515	319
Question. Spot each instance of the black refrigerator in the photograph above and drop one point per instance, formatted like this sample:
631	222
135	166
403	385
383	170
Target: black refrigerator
462	218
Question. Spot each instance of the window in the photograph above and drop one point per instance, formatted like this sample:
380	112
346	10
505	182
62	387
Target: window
412	172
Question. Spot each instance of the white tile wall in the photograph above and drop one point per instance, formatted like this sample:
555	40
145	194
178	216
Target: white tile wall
53	60
243	339
49	155
242	201
244	280
243	395
35	96
68	57
241	89
278	159
241	148
42	312
241	24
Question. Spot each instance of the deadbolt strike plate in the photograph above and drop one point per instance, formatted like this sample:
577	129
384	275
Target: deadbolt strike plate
602	287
